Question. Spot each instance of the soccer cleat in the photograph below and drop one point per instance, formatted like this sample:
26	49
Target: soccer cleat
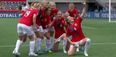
32	55
85	53
48	51
40	52
16	54
77	49
65	51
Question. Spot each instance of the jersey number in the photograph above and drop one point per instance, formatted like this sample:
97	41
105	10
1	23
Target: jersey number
27	13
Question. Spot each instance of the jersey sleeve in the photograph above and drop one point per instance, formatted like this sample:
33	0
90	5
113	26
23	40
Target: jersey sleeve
76	11
79	19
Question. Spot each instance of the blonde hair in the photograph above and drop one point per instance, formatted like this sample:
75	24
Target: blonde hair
52	3
35	5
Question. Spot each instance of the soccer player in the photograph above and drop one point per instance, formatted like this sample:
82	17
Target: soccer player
53	13
72	10
38	32
58	23
79	40
24	30
54	10
45	21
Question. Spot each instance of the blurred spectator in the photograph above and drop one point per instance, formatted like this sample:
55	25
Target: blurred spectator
25	7
7	5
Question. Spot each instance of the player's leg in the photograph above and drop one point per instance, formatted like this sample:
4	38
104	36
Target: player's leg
57	39
48	41
86	43
64	42
39	38
52	34
64	45
22	38
18	45
32	46
71	50
30	34
55	46
67	45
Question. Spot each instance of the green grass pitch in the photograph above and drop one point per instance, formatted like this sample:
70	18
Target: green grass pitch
101	32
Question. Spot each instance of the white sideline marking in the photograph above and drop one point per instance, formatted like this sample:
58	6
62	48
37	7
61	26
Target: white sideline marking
5	46
87	27
104	44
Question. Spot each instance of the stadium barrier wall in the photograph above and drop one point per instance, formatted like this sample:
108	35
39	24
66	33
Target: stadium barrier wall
100	15
96	15
9	14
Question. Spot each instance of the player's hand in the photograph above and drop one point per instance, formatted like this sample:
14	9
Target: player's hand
85	2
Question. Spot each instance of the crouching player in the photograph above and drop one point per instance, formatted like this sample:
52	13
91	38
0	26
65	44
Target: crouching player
59	24
79	40
24	30
45	21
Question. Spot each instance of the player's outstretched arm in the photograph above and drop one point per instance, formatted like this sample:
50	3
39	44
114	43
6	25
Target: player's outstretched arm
85	8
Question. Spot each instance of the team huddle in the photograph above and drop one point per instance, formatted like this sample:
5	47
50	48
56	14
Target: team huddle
44	21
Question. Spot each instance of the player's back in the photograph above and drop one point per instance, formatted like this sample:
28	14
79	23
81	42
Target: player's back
28	16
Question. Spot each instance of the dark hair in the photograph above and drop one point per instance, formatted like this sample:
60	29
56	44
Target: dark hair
20	7
47	9
24	4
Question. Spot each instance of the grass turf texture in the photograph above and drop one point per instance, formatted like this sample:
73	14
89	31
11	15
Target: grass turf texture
101	32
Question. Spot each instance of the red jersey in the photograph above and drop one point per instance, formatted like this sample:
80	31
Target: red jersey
59	27
45	21
78	34
23	12
54	11
44	18
38	21
73	13
27	18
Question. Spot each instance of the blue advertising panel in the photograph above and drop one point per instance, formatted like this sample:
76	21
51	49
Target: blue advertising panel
102	15
96	15
9	15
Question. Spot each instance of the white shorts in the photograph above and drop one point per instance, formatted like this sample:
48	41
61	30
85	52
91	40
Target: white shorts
45	30
23	29
40	29
51	29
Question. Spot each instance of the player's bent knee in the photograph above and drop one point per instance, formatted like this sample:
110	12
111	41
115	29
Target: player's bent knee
71	50
70	53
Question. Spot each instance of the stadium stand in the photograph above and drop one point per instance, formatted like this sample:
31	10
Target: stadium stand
10	4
